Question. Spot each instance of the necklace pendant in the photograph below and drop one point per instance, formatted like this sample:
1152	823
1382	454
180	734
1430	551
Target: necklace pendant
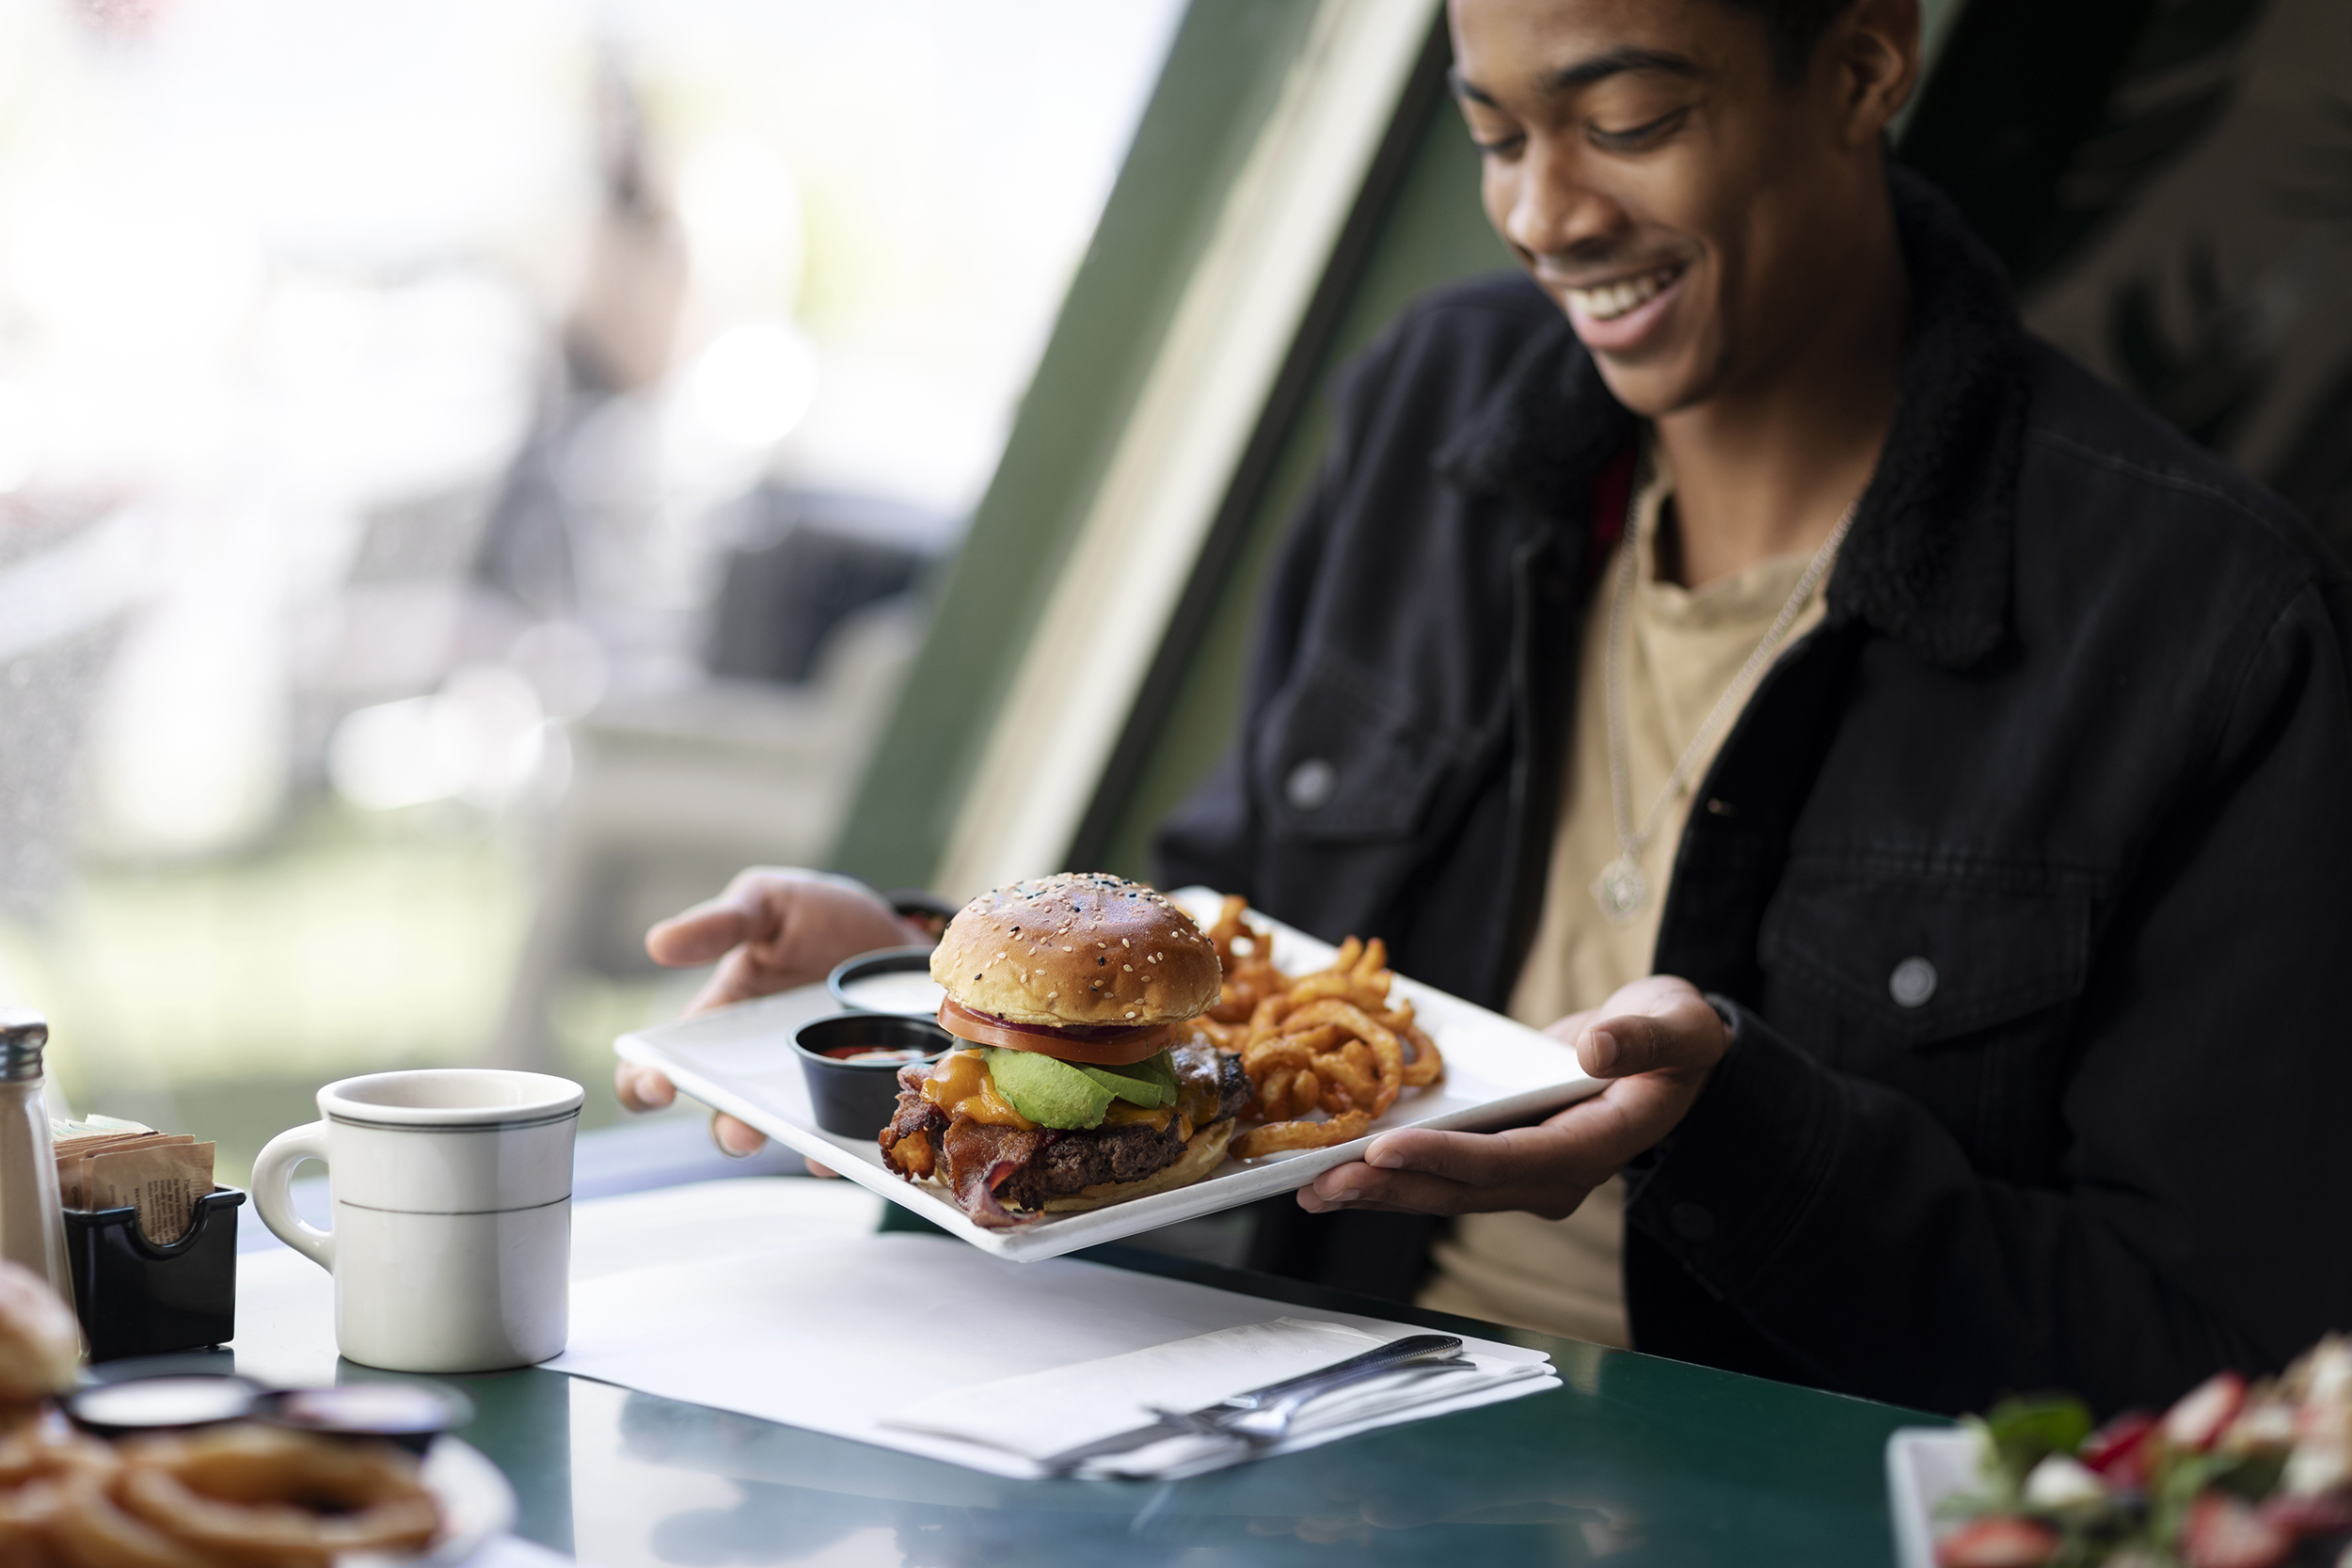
1621	890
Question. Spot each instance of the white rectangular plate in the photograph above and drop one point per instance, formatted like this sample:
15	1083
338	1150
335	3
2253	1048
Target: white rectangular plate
1925	1466
739	1060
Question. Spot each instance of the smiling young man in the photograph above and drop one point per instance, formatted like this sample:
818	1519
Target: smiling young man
1923	800
1913	777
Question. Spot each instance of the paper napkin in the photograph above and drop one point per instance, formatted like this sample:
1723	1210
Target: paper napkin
827	1334
1039	1414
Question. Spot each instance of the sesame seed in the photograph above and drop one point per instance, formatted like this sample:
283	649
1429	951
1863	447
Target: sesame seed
1128	968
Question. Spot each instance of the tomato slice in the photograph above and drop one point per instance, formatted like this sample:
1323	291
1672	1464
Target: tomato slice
1094	1047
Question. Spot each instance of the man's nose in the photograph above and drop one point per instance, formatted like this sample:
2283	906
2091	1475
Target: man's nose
1555	209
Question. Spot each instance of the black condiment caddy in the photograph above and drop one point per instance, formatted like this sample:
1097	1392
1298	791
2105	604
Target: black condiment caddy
138	1298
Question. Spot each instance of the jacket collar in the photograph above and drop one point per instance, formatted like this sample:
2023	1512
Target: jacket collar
1927	562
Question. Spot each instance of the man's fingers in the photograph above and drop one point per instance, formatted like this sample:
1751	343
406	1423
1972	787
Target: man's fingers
641	1088
1618	1123
1681	1039
1361	1186
702	934
1481	1159
734	1139
1568	1029
737	979
1519	1159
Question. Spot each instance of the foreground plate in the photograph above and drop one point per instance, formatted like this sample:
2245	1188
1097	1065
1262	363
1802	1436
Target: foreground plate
739	1060
1925	1466
476	1504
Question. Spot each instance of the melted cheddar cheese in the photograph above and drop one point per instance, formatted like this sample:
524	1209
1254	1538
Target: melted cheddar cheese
1123	1114
961	1086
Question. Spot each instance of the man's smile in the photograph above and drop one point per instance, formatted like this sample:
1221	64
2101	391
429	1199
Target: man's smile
1609	300
1615	314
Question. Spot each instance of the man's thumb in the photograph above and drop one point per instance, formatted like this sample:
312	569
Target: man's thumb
1623	1045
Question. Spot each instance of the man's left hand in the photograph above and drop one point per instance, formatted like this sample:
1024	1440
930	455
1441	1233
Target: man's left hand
1656	1041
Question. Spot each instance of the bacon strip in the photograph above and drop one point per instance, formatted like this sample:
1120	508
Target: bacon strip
979	1156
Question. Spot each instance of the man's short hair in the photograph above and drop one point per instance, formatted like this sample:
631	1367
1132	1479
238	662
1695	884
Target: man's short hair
1791	28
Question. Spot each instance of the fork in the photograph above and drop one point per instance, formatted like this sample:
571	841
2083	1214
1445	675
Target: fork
1263	1416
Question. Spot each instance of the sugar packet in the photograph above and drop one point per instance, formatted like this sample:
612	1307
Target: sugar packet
160	1175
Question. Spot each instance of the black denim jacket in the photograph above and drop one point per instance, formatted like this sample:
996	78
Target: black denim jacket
2070	754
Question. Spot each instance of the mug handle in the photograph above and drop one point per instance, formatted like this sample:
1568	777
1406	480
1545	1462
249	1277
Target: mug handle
272	1190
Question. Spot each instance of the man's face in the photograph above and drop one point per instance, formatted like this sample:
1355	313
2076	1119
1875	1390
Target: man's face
1687	209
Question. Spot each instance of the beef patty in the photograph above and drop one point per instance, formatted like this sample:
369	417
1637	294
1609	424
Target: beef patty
1066	1162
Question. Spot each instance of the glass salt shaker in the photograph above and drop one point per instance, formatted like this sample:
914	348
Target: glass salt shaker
32	1218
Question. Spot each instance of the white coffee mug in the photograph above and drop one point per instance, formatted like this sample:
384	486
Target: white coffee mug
452	1233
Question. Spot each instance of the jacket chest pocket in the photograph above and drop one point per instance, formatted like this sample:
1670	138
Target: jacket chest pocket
1341	758
1953	986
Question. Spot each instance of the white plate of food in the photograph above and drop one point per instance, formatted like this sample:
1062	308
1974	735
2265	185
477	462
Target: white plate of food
1924	1467
2237	1471
740	1060
476	1505
82	1505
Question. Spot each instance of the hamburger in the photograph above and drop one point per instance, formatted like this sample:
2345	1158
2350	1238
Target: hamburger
1080	1084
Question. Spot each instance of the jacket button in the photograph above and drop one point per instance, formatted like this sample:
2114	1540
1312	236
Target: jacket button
1311	784
1691	1221
1913	983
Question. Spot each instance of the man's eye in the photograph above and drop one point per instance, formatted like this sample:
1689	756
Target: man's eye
1639	137
1498	147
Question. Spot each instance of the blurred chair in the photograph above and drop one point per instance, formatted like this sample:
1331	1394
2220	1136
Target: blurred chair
801	561
671	795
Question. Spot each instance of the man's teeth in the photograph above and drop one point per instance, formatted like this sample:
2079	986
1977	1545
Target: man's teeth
1611	300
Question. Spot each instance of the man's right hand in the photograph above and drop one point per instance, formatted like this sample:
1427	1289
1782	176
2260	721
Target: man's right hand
771	930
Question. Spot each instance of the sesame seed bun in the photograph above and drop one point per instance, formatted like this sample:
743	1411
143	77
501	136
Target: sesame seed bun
1077	951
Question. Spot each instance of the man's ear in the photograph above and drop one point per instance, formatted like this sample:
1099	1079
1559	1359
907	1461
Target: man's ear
1872	56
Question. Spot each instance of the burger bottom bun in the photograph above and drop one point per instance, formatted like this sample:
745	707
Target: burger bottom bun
1203	1154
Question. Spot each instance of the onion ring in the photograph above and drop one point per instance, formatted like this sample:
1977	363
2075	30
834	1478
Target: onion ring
1227	1037
1305	1092
1337	1040
1428	1064
39	1450
27	1514
95	1530
254	1493
1278	1136
1386	1048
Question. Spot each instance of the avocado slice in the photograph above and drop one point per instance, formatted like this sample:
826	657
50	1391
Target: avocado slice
1054	1093
1149	1082
1049	1092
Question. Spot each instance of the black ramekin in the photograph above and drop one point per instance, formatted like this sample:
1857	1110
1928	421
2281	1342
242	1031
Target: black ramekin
856	1099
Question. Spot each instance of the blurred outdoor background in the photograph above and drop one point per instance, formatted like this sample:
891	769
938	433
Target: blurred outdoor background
454	451
475	473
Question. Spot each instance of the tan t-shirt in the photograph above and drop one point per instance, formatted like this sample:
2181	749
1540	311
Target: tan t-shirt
1684	647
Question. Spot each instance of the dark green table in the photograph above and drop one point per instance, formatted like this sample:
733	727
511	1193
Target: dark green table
1634	1461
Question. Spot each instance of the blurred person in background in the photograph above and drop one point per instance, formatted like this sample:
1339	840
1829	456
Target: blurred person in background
1906	771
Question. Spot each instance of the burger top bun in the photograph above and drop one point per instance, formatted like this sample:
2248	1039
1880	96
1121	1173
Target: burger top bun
40	1343
1074	950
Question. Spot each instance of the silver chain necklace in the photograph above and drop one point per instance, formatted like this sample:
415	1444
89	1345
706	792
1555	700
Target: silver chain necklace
1622	888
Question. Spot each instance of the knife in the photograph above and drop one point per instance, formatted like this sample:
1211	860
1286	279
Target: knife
1274	1404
